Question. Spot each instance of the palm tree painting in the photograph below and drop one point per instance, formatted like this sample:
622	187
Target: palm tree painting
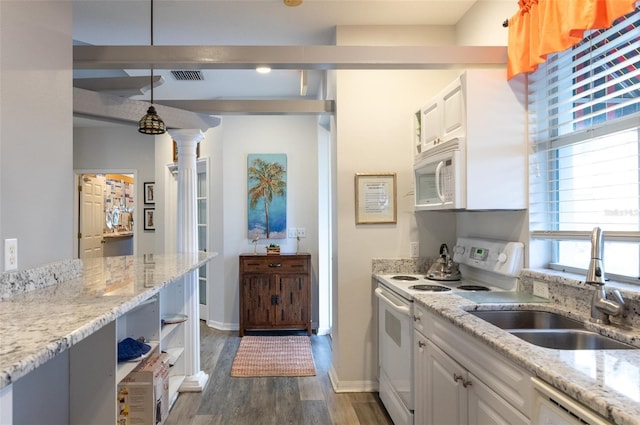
267	196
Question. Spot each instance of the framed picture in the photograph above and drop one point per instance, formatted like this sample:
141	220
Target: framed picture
149	192
149	219
267	196
376	198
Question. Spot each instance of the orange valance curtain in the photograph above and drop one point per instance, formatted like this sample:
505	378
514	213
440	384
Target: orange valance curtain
542	27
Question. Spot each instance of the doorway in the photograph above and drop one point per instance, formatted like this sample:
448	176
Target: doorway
105	214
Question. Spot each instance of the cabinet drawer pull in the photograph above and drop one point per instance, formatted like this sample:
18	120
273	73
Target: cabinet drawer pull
275	265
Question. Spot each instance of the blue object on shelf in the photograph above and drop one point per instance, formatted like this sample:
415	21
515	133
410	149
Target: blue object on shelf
130	349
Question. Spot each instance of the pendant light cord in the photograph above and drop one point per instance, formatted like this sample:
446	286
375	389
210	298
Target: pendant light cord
151	15
152	22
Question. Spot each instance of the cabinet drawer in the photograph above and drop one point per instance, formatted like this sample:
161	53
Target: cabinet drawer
274	264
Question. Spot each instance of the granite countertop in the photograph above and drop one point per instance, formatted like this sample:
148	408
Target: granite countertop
38	324
115	235
607	381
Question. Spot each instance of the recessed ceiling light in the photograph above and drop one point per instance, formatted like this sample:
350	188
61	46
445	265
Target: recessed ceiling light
292	2
263	69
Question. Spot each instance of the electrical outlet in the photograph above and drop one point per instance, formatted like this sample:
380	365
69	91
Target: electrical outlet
10	254
414	249
541	289
292	232
301	233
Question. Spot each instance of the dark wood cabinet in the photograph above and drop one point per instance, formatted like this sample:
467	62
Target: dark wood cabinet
275	292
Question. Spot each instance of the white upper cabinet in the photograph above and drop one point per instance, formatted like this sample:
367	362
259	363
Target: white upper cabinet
443	118
480	117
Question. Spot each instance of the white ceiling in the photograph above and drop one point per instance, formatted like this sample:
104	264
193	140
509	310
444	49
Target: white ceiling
242	22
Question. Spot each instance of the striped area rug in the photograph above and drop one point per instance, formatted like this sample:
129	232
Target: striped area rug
273	356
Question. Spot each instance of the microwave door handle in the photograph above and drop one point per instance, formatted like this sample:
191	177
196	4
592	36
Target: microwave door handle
439	190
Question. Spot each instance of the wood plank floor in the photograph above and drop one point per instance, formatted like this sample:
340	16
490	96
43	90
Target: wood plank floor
272	400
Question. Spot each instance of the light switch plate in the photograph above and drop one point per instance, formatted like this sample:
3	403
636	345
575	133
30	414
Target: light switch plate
414	250
292	232
10	254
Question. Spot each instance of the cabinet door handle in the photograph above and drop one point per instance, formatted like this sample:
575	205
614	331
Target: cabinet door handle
457	378
275	265
422	344
416	318
466	383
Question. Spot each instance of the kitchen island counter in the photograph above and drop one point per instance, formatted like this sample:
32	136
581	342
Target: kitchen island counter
607	381
37	325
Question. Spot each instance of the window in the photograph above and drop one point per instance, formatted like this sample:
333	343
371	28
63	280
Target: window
585	164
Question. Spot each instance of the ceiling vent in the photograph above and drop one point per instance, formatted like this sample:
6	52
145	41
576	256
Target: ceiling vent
187	75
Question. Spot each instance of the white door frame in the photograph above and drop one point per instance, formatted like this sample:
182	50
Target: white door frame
76	201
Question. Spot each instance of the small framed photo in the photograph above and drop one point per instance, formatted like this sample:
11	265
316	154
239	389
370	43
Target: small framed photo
149	192
375	198
149	219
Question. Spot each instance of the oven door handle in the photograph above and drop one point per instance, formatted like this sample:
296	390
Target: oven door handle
402	309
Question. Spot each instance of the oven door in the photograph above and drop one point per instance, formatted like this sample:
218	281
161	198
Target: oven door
395	355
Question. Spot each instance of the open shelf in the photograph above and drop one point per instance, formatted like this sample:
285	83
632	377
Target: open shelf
174	385
174	354
168	329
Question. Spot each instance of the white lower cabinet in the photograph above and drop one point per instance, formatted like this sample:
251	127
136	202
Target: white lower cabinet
460	382
439	398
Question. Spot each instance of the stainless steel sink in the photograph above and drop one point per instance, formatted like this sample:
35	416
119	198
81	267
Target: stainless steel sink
550	330
527	319
570	339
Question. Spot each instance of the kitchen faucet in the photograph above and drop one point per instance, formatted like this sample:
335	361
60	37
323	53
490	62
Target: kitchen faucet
601	306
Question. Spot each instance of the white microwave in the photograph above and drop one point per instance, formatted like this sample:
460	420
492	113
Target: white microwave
439	177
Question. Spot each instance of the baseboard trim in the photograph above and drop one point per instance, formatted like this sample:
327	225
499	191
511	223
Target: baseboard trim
351	386
222	326
323	331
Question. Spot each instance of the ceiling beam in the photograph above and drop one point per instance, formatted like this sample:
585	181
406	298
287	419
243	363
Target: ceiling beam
112	108
119	86
254	107
287	57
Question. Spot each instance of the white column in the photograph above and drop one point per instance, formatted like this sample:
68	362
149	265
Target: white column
187	241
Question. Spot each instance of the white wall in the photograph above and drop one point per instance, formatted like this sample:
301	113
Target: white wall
116	148
374	134
294	136
482	24
36	174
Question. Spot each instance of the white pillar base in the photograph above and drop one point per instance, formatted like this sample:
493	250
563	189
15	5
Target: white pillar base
194	383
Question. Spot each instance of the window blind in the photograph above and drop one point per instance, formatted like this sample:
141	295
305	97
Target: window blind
584	124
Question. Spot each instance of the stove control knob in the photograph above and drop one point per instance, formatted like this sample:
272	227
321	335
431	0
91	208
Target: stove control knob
502	257
458	249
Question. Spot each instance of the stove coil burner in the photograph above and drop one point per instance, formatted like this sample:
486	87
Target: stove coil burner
404	277
430	288
473	288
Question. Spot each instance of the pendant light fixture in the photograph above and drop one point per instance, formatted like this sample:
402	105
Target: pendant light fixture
151	123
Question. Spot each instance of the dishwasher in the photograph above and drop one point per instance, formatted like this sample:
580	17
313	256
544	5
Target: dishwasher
552	407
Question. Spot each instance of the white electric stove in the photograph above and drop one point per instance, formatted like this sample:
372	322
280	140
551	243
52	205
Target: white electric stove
484	266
